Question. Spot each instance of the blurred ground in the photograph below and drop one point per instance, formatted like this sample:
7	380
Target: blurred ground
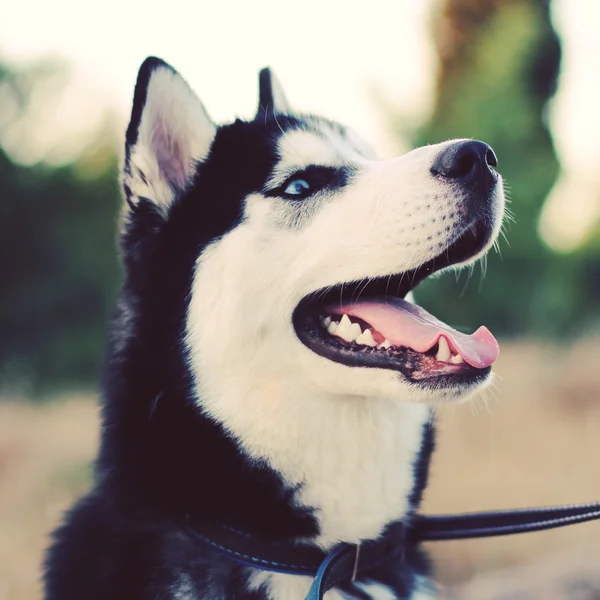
536	440
45	455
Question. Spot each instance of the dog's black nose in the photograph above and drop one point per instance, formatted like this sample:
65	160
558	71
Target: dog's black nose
465	162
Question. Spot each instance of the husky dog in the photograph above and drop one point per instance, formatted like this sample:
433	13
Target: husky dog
266	369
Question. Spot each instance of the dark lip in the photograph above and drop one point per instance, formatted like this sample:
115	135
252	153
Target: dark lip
408	362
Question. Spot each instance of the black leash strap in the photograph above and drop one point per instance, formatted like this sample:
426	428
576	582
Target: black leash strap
346	562
490	524
430	528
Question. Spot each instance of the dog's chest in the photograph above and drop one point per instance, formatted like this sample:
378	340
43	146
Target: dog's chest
359	473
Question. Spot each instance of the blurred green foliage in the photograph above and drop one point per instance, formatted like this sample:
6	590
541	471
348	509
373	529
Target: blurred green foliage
499	61
58	264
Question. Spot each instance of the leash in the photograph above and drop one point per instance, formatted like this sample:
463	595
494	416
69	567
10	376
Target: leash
433	528
346	562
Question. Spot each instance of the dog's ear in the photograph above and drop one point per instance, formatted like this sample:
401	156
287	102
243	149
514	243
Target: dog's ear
169	133
271	99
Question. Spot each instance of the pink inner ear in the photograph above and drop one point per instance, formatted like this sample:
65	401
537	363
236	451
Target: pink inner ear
170	157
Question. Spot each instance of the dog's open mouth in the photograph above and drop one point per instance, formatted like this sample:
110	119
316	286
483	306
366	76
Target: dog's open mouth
368	323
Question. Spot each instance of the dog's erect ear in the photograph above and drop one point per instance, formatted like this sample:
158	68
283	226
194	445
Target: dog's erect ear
271	99
169	133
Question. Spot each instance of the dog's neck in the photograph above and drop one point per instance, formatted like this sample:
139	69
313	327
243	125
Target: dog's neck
281	460
357	463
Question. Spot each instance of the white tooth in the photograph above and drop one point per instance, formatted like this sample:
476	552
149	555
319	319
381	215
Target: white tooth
332	327
443	350
457	359
347	330
356	330
385	345
345	321
366	339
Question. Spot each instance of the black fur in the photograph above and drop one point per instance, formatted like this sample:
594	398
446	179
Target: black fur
160	459
421	467
267	108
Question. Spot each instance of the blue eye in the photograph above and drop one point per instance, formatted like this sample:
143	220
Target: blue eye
298	187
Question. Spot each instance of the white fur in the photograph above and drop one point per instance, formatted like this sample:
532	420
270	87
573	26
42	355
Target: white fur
184	588
347	436
425	590
377	591
299	148
174	133
294	587
286	587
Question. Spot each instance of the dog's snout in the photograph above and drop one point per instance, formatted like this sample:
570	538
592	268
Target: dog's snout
465	162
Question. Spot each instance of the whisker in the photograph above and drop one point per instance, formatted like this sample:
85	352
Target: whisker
433	416
469	274
387	287
364	287
503	234
483	263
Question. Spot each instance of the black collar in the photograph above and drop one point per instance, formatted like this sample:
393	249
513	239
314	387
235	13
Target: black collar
345	562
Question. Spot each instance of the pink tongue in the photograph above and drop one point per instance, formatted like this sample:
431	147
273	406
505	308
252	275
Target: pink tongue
406	324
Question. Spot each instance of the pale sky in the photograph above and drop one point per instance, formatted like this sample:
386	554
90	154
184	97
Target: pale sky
329	56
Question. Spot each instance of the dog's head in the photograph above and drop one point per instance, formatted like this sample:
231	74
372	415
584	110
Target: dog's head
282	245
